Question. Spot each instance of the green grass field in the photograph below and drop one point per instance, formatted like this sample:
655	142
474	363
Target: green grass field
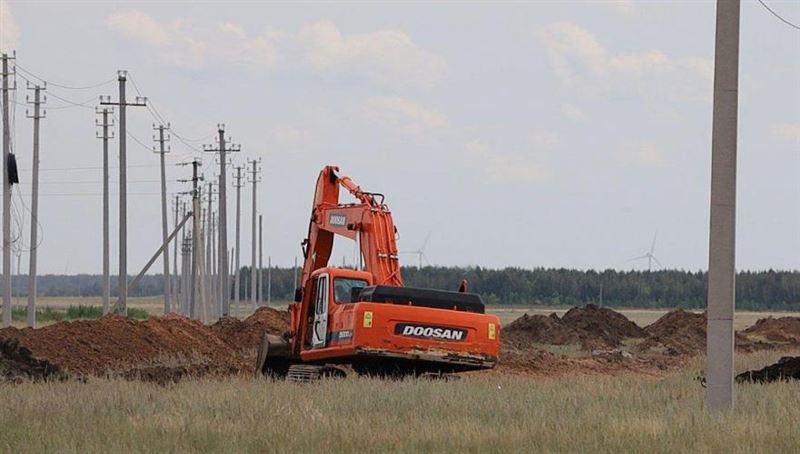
483	413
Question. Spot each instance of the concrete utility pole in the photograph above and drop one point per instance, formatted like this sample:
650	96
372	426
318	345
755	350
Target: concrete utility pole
6	197
254	179
236	273
215	266
195	237
230	260
223	218
174	286
182	285
34	243
260	260
122	283
269	280
105	135
185	251
162	151
722	233
209	234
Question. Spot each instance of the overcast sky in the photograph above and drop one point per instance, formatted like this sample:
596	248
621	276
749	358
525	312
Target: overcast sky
553	134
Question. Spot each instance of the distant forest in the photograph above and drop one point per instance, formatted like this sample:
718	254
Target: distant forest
775	290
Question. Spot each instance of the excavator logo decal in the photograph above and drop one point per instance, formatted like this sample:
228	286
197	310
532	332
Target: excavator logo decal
338	219
430	332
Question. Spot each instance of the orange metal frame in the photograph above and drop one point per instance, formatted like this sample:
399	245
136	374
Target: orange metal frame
370	223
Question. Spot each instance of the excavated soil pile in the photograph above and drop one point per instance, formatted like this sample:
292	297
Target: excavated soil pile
605	327
244	335
160	349
782	329
539	329
682	333
17	364
787	368
590	326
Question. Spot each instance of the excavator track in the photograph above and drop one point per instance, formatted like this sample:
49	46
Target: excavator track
307	373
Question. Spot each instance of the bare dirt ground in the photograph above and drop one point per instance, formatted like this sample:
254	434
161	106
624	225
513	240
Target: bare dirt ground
641	317
583	340
160	349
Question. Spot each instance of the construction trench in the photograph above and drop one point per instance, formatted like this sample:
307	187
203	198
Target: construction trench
171	348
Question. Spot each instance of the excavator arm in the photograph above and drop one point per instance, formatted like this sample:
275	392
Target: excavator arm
368	222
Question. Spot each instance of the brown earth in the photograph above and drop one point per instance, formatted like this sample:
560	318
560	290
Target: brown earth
617	345
159	349
682	333
540	329
17	364
787	368
781	329
590	326
608	327
244	335
168	349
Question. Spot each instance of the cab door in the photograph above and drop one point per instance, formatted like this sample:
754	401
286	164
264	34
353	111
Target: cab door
320	328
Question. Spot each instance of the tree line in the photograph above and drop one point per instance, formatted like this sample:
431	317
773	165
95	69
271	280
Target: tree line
771	289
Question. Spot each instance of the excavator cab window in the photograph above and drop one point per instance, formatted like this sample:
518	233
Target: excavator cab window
319	330
346	289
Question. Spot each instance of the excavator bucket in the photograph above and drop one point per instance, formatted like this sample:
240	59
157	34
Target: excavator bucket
273	358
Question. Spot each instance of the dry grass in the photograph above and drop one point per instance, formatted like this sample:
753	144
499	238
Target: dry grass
488	413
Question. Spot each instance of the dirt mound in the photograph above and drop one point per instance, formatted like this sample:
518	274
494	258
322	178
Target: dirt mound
540	329
114	343
684	333
244	335
160	349
16	364
787	368
781	329
602	323
590	326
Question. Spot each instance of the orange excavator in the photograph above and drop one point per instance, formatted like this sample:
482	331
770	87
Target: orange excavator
366	318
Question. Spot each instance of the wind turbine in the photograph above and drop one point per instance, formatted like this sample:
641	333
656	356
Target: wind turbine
420	253
649	255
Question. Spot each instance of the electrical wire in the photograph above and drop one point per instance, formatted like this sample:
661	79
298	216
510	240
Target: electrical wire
795	26
66	87
72	103
68	101
156	114
46	169
93	182
129	134
70	106
92	194
39	227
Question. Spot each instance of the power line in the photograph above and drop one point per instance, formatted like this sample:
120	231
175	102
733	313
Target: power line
135	139
154	112
67	87
91	182
83	168
68	101
778	16
93	194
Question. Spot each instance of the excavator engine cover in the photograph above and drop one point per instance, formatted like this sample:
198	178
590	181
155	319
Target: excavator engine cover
423	297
